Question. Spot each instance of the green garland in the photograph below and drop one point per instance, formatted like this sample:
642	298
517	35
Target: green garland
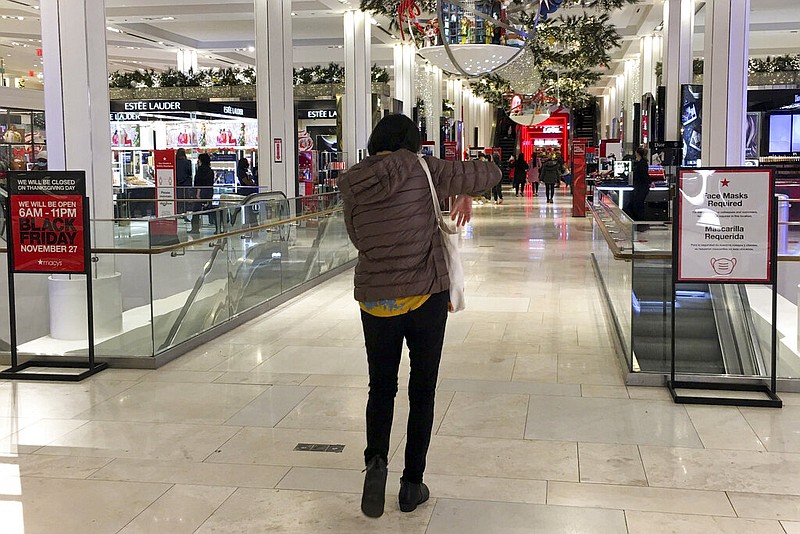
175	78
333	73
492	88
755	65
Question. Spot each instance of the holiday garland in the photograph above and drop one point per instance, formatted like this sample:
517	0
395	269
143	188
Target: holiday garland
319	74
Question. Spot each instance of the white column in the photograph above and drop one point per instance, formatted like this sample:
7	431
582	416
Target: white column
604	117
410	67
187	60
647	72
677	63
725	81
435	114
399	74
620	107
612	110
76	97
275	96
357	109
633	95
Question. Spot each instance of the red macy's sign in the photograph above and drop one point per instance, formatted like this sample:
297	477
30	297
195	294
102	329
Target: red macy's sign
47	222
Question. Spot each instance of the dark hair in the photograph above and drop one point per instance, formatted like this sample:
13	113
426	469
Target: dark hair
180	154
243	164
204	159
642	151
392	133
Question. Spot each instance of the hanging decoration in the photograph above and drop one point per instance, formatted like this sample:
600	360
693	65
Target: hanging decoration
529	110
521	40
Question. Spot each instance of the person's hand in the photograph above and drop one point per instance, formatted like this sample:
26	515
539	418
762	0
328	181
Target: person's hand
461	210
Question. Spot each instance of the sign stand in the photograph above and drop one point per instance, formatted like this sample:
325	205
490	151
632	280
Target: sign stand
48	208
767	275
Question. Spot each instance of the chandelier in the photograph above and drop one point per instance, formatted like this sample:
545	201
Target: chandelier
472	38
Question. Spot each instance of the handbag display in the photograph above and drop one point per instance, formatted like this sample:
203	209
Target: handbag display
452	257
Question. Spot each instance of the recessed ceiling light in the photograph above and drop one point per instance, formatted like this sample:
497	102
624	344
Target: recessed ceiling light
20	18
251	48
294	14
167	18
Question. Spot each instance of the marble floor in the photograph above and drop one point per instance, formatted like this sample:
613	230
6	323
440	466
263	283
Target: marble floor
535	430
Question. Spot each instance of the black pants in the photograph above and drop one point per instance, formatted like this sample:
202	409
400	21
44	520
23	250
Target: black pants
535	186
519	188
550	190
497	192
423	330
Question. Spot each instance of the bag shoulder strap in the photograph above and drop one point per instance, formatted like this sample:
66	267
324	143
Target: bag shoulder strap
437	209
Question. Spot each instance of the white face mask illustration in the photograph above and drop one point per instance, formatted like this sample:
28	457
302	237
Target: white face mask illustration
723	266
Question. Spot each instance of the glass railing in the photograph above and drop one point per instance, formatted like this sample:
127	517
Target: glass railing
158	284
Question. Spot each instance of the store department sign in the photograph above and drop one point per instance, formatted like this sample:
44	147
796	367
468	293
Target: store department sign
47	221
725	225
310	114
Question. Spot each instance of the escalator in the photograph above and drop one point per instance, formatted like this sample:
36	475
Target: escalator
714	330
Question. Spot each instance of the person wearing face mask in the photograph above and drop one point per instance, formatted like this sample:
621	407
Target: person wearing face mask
41	161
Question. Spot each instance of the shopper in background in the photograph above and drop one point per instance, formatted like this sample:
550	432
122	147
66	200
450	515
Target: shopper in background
550	174
641	186
247	186
533	172
520	175
41	161
183	180
401	285
497	190
204	191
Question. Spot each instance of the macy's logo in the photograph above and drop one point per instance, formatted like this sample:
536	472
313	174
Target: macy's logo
50	263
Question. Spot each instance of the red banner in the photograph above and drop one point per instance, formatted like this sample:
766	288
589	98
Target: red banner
450	150
164	231
47	222
578	180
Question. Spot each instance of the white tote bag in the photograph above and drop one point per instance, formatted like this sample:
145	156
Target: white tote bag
450	244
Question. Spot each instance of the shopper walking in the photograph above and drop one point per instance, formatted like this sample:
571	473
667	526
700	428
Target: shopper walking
533	173
204	187
520	175
497	190
183	180
401	284
550	174
641	186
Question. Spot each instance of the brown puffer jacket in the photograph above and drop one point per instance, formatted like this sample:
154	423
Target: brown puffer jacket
390	219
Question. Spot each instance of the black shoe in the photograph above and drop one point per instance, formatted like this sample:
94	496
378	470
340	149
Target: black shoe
412	495
374	495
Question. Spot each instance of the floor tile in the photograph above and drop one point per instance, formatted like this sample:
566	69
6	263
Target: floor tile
116	439
254	510
317	360
649	393
205	358
766	506
536	368
722	470
497	304
790	527
42	466
480	517
611	464
57	400
85	506
660	523
723	427
639	498
198	377
610	421
175	402
610	392
341	381
585	369
180	510
500	387
504	458
269	408
45	431
275	446
187	472
261	378
485	415
777	429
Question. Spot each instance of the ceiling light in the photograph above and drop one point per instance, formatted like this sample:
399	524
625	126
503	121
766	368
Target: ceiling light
35	7
20	18
251	48
294	14
167	18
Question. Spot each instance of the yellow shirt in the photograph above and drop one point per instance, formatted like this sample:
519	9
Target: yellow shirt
393	307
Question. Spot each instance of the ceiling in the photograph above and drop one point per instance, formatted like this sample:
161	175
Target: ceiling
147	33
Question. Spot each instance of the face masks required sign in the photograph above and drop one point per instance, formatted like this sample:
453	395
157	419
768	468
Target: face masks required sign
725	225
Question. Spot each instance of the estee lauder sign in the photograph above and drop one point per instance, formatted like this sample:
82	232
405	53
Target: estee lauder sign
154	105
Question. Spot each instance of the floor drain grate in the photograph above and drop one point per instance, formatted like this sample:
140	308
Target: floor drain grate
319	447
